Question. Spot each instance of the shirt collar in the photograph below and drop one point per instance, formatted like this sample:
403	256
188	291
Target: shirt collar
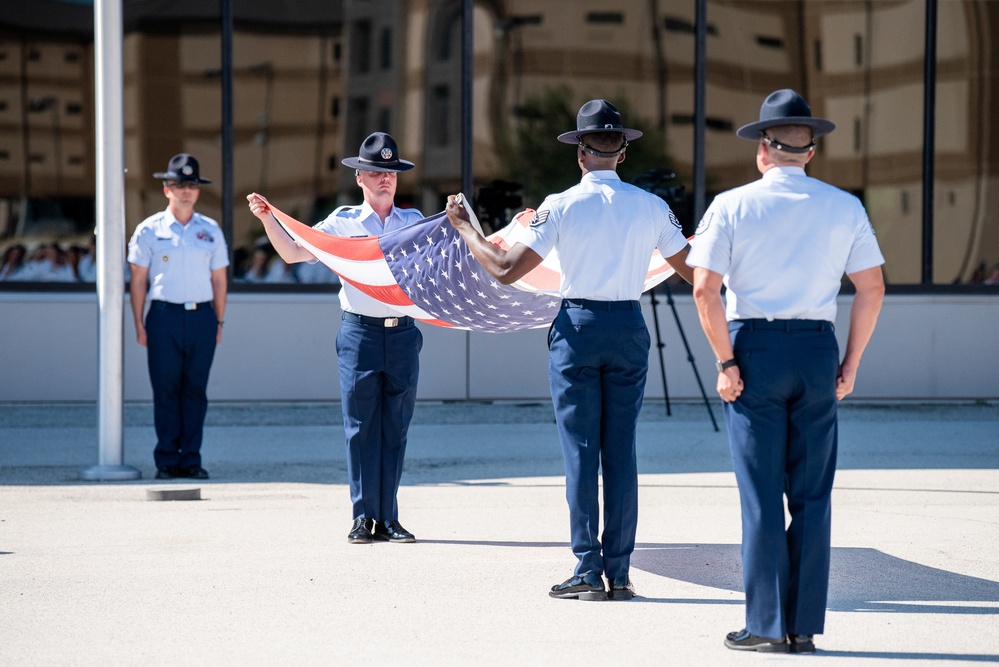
367	212
168	220
784	172
601	175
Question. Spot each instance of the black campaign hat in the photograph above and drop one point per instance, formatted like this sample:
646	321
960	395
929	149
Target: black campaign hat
182	167
379	152
785	107
598	116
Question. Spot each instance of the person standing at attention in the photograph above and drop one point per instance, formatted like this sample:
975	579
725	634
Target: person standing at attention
604	231
378	349
178	261
781	245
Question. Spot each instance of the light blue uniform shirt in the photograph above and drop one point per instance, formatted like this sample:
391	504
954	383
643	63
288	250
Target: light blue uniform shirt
180	258
357	222
605	231
783	243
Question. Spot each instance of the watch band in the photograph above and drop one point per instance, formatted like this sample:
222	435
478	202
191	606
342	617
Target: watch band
722	365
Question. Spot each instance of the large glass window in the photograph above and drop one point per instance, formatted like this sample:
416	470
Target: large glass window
316	77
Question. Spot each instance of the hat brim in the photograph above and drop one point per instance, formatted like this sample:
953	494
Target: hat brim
355	163
174	176
820	126
573	137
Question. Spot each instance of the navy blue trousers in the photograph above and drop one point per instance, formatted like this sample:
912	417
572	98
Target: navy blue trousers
597	366
379	368
180	345
782	432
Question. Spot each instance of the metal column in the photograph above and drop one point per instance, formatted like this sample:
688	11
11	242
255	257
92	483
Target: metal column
110	243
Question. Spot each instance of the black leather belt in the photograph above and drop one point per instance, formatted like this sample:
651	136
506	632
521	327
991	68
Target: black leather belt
386	322
591	304
187	305
760	324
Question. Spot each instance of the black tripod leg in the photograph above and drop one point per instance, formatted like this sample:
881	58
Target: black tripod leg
660	345
690	356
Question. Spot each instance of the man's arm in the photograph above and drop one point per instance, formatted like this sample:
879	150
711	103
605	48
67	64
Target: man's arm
679	264
220	289
711	310
870	284
286	247
137	290
507	266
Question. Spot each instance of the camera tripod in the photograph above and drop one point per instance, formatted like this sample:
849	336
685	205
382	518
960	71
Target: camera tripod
690	357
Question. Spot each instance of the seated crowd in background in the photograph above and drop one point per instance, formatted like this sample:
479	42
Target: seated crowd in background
50	262
261	264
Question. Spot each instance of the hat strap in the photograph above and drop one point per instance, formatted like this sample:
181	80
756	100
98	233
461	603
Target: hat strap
773	143
596	153
361	159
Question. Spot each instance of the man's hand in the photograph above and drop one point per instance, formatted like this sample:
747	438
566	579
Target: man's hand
140	334
730	384
456	213
259	206
845	380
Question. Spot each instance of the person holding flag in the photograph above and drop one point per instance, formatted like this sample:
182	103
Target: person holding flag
604	231
377	347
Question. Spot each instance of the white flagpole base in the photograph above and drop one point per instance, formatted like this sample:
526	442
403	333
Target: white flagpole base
110	473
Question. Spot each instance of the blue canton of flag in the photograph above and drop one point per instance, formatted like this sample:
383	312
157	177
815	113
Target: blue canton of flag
433	266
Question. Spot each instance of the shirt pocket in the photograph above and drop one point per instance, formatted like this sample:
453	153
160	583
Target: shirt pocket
165	253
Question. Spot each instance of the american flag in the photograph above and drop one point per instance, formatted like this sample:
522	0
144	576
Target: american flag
426	271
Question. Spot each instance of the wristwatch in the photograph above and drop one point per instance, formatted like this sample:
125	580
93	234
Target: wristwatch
722	365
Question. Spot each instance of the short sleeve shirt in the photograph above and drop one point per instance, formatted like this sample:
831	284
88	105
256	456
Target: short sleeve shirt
782	244
357	222
180	258
605	231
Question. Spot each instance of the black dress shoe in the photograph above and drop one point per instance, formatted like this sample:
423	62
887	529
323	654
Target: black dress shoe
360	532
391	530
580	587
193	472
620	588
744	641
801	643
167	472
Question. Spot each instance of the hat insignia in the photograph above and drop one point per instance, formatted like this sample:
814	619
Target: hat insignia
386	153
187	170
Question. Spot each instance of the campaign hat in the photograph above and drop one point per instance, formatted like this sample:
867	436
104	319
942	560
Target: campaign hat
598	116
785	107
379	152
182	167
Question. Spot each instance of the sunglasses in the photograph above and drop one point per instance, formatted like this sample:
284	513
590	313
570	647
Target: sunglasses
183	185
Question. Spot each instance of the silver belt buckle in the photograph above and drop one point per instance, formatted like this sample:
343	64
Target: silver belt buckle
190	305
391	322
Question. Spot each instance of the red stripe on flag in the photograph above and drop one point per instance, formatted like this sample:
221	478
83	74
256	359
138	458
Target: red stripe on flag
360	250
391	295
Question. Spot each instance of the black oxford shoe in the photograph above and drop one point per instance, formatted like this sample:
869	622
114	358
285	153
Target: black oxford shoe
801	643
391	530
360	532
620	588
167	472
585	587
194	472
744	641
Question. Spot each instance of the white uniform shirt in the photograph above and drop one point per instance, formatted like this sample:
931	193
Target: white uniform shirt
357	222
180	258
783	243
605	231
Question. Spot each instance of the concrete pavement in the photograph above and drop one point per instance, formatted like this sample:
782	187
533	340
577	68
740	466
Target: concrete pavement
259	571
